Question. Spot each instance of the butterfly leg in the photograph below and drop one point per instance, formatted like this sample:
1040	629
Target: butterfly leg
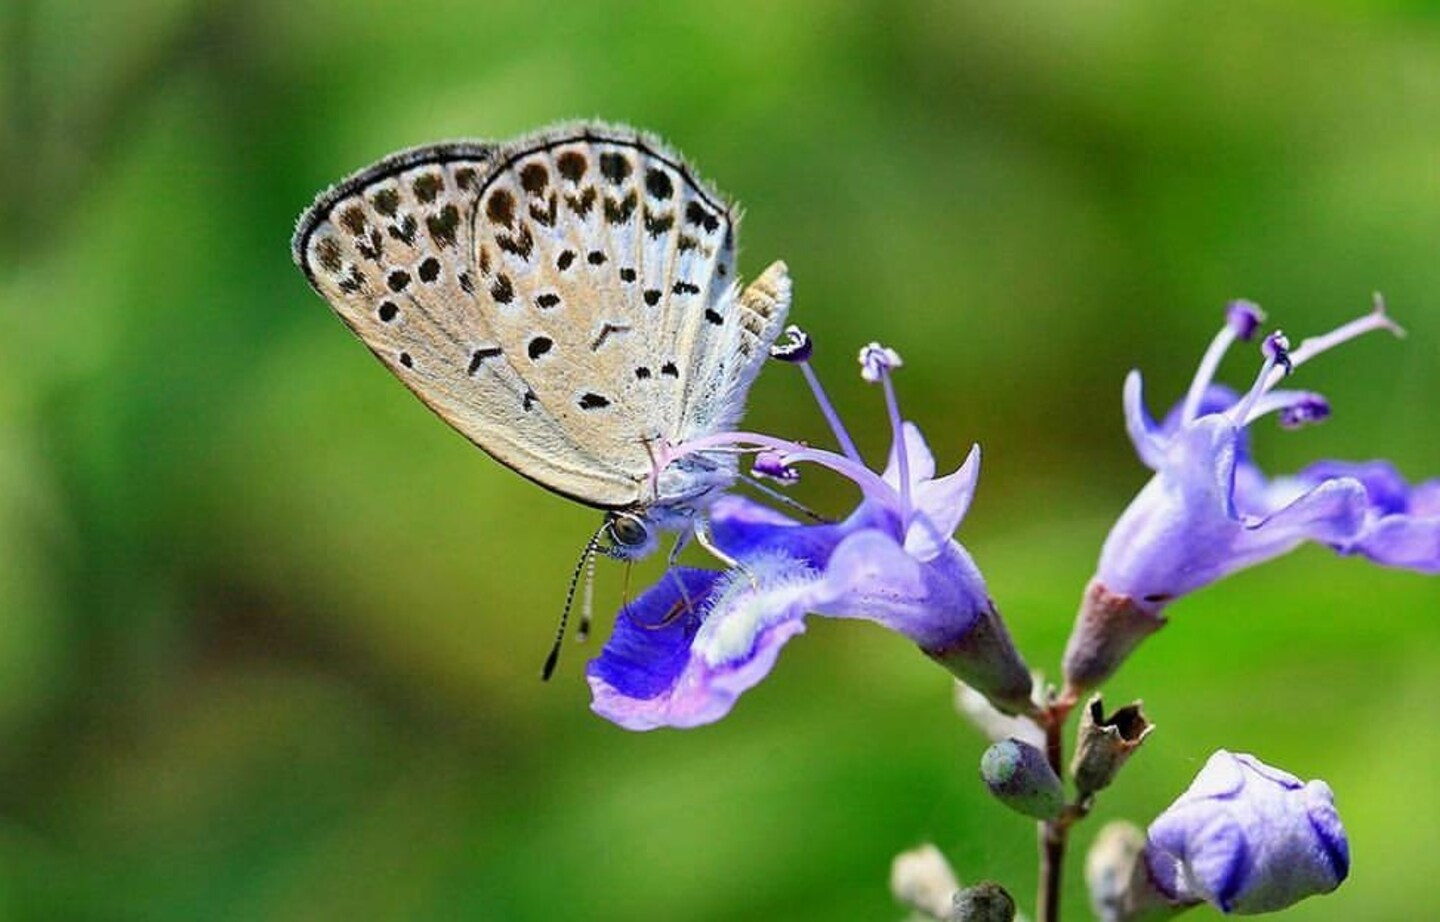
701	530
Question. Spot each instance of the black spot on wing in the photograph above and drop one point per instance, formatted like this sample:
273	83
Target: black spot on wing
443	226
572	165
658	184
538	347
478	357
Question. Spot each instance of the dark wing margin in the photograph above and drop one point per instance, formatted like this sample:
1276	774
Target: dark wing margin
398	162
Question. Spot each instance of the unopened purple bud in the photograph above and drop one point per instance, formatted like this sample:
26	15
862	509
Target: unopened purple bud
1019	776
1277	347
1309	410
772	466
1248	838
793	346
1244	318
876	359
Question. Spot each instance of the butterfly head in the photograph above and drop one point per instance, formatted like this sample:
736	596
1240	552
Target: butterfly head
632	534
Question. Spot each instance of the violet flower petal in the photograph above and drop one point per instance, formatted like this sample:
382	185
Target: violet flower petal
1248	838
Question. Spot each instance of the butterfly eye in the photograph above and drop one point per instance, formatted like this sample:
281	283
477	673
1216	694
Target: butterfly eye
628	531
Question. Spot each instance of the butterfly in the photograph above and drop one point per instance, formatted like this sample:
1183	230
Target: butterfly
567	300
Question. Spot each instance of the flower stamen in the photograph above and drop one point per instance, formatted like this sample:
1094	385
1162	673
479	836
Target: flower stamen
1242	319
876	362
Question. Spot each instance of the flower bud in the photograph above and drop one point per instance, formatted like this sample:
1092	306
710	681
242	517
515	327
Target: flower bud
1020	777
1118	879
1247	838
922	879
987	901
1104	743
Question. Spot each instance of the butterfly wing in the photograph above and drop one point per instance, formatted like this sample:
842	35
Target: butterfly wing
562	300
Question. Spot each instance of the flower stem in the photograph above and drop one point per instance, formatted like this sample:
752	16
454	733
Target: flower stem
1054	833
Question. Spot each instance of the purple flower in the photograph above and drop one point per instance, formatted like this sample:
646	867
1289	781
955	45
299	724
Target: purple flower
1209	510
690	645
1247	838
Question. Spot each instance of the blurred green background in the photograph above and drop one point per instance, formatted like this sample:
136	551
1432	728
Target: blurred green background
269	631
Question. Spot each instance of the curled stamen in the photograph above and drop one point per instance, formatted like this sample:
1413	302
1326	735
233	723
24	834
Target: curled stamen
1277	348
1276	351
876	359
794	347
1242	319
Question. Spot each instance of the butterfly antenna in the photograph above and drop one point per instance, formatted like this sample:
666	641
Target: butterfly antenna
581	566
587	599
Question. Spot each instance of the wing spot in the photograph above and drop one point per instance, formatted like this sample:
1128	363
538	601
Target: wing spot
371	246
429	269
627	274
467	283
605	332
500	207
572	165
658	224
520	244
353	219
642	373
465	177
582	203
327	253
442	226
657	183
618	212
593	401
388	311
427	186
563	261
538	347
547	300
502	291
528	400
670	370
478	357
404	231
712	315
387	202
406	360
615	166
534	178
696	214
398	280
546	215
686	242
683	287
596	258
652	296
353	281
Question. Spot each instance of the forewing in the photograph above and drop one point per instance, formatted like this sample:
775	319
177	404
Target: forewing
392	249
